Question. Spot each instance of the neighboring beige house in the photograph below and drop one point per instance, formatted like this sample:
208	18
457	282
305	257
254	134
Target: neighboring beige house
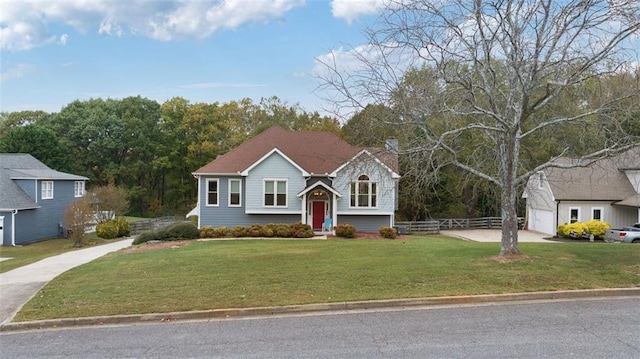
608	190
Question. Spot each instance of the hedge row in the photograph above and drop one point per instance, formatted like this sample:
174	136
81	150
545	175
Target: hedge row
280	230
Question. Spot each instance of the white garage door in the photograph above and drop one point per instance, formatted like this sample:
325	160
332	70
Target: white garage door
541	221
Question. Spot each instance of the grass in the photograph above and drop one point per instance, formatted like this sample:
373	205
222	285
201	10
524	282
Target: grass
31	253
228	274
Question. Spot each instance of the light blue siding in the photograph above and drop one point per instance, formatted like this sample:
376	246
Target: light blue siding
386	186
226	216
42	223
366	223
29	186
274	167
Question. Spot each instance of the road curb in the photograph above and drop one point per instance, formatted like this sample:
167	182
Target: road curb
311	308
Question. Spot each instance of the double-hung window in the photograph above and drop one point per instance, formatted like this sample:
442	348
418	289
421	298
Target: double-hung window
363	193
275	193
78	189
212	192
47	190
235	192
596	213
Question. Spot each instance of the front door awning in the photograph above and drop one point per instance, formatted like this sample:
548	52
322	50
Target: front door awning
319	184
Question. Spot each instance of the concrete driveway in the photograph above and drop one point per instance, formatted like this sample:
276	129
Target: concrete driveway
494	235
18	286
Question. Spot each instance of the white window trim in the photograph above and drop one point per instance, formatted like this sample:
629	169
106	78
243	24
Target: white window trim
239	192
578	219
540	180
206	193
44	195
601	209
275	189
370	195
78	189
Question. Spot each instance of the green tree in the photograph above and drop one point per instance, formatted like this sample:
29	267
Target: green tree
40	142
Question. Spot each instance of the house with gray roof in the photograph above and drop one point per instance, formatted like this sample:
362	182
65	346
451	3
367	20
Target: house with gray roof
606	190
312	177
33	198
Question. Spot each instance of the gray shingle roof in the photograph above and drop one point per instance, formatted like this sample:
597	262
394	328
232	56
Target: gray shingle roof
24	166
603	180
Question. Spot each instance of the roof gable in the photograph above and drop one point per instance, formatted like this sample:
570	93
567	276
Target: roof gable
315	152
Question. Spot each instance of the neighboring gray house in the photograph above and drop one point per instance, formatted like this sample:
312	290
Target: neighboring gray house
282	176
33	198
608	190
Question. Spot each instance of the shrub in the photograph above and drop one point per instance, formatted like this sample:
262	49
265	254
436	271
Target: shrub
283	231
345	230
145	237
239	231
207	232
107	230
387	232
597	228
255	230
181	230
221	232
124	227
267	231
583	229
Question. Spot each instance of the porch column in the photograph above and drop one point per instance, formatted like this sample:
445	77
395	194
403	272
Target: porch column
304	209
334	212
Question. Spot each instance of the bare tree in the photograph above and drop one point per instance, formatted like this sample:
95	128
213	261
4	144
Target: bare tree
495	77
108	202
77	218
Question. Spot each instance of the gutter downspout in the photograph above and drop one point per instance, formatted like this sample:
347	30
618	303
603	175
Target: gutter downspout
13	227
557	216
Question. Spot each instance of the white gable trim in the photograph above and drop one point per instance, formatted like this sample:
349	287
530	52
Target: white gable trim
376	159
275	150
321	184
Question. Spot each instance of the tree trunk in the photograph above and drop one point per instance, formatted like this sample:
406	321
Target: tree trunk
508	150
509	222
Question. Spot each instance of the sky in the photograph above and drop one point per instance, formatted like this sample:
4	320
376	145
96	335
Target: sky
56	51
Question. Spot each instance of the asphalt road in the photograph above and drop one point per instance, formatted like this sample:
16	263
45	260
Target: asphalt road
595	328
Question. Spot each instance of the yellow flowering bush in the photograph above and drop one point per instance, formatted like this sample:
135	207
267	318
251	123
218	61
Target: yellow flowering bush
578	229
597	228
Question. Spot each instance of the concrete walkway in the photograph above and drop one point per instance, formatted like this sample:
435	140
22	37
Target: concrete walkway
494	235
18	286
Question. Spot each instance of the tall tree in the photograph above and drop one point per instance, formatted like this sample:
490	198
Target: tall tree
38	141
498	66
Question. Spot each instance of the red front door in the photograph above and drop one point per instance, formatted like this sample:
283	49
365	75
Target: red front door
318	214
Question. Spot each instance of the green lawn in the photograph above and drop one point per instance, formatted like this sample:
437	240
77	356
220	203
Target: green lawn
30	253
225	274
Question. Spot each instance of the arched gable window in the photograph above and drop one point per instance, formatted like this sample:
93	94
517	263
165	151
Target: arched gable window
363	193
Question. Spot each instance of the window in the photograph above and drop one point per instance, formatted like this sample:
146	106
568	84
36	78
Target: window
574	215
364	193
596	213
212	192
540	180
275	193
234	192
78	189
47	190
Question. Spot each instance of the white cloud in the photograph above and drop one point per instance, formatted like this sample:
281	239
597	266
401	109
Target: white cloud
26	24
15	72
349	10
